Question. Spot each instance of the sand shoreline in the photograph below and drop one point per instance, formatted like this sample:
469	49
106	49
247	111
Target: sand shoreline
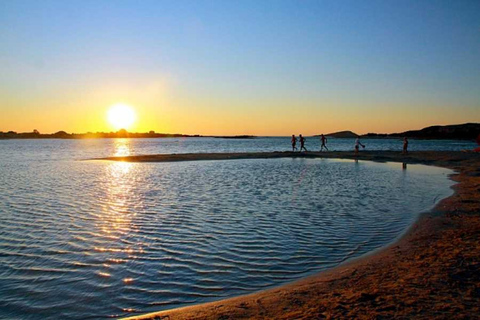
433	271
438	158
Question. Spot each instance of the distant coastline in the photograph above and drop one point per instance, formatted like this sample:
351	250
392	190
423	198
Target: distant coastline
106	135
467	131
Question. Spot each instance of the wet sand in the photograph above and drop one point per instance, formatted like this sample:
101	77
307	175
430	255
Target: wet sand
433	271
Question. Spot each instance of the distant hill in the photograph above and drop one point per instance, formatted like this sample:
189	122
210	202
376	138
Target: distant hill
375	135
467	131
342	134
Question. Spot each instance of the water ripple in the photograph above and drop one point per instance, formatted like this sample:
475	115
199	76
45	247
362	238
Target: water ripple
146	237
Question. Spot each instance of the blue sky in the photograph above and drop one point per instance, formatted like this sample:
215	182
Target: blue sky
393	65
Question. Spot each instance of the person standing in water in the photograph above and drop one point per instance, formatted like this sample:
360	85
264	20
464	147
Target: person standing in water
405	145
324	142
478	142
294	143
302	143
357	144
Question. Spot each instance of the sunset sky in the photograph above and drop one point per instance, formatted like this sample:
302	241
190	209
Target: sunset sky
239	67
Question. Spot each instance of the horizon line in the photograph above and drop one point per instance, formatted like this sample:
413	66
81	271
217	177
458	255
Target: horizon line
152	132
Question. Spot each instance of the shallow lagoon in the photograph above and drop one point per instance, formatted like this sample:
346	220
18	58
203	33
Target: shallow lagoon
92	239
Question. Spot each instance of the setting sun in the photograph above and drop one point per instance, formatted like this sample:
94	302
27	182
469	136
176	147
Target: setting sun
121	116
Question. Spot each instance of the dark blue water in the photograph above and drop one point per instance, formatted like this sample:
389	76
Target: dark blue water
95	239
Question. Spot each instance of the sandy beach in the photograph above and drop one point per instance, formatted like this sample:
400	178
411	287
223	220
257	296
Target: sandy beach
433	271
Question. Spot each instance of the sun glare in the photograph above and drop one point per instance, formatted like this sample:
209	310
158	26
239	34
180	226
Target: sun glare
121	116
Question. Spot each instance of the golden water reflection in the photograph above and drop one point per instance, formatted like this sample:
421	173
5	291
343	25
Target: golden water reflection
121	147
118	210
115	223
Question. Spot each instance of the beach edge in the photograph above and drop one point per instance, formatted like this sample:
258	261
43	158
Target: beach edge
332	292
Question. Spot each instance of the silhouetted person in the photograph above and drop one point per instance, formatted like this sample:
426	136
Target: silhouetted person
302	143
357	144
294	143
405	145
324	142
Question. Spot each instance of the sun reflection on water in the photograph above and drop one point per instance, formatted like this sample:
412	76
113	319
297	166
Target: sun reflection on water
115	223
122	147
119	198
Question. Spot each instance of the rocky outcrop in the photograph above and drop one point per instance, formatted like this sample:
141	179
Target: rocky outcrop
467	131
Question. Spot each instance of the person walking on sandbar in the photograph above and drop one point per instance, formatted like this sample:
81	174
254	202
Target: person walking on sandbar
357	144
294	143
324	142
302	143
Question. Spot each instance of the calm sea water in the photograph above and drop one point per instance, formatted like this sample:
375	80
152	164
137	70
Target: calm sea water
95	239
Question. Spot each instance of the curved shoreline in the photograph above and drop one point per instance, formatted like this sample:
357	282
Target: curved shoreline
432	271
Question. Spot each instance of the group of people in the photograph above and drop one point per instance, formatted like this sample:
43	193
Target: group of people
302	140
323	140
